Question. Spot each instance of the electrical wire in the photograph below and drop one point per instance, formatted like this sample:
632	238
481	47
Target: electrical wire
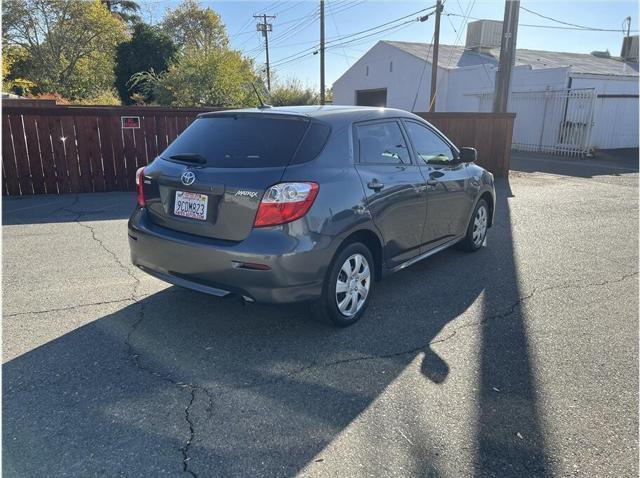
301	22
299	55
344	52
353	42
582	27
424	68
554	27
332	42
455	45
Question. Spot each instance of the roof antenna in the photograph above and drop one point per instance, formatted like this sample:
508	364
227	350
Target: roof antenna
263	105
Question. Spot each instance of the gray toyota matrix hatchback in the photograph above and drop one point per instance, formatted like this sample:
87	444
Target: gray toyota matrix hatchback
305	203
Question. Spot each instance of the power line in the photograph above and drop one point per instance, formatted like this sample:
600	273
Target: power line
465	19
314	50
353	42
335	25
565	23
554	27
302	22
285	33
286	9
368	29
424	68
332	43
344	7
387	23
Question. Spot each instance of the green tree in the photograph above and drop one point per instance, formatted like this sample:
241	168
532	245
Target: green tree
191	26
70	45
12	58
125	9
149	49
328	95
291	92
202	77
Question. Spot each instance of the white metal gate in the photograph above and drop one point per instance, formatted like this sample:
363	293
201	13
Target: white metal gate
550	121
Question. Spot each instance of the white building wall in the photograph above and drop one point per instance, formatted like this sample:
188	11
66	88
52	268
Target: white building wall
470	89
466	87
401	83
527	79
615	119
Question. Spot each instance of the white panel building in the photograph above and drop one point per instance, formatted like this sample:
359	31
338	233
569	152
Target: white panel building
566	103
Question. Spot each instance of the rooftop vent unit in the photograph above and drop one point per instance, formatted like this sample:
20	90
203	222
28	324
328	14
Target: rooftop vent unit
483	35
630	48
601	54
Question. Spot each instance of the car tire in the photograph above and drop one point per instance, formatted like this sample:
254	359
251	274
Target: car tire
477	228
350	276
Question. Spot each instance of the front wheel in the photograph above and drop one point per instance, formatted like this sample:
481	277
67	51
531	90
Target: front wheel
348	285
477	228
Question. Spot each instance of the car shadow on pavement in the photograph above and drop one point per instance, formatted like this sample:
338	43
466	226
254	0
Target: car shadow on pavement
182	381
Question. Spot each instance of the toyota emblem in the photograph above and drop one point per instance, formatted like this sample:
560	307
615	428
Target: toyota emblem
188	178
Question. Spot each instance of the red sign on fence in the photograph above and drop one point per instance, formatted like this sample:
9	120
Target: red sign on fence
130	122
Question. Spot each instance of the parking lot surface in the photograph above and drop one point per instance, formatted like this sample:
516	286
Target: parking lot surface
519	360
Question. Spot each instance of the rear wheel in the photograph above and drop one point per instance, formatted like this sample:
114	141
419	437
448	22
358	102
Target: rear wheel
477	228
348	285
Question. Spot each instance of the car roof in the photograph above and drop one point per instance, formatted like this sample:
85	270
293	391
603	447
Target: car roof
325	113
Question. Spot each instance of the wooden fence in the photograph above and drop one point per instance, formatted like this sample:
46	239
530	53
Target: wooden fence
490	133
72	149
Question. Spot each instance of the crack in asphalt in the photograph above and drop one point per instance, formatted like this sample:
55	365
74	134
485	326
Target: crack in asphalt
71	307
502	315
513	307
131	349
185	448
115	257
190	387
193	388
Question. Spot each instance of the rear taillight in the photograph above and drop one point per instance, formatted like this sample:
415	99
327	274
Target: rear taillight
285	202
140	187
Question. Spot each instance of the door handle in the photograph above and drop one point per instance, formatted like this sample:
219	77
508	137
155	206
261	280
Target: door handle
375	185
432	182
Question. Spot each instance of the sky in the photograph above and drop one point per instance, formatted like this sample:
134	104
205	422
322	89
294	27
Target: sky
296	28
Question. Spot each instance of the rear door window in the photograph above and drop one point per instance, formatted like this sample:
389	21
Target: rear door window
241	141
382	143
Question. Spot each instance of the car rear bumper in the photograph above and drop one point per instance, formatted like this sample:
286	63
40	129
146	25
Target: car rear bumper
297	263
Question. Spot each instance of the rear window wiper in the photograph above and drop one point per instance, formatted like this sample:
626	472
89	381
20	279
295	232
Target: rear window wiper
189	158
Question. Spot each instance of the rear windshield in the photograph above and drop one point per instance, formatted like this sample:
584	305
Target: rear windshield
243	141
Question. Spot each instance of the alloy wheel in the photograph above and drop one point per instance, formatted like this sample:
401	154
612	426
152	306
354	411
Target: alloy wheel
352	286
480	226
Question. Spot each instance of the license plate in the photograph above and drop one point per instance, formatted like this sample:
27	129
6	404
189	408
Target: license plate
191	205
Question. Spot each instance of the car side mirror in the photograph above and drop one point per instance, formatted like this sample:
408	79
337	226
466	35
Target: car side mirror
468	155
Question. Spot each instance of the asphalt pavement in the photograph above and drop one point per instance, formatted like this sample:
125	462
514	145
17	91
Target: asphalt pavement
518	360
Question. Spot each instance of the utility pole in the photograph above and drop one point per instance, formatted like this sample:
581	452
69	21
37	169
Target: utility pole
626	44
507	55
434	60
265	28
628	20
322	87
